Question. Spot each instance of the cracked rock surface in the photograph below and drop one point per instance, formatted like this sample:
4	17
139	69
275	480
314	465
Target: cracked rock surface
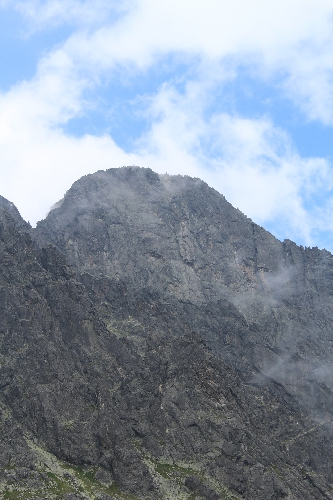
156	343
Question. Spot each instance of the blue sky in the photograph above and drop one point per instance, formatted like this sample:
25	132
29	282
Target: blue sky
237	93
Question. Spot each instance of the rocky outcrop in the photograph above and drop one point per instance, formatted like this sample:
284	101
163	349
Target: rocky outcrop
54	350
157	343
174	253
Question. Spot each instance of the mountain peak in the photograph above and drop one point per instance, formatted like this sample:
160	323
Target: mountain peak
9	208
157	343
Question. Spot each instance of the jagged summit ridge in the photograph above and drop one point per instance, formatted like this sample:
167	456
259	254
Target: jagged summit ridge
182	245
7	207
158	343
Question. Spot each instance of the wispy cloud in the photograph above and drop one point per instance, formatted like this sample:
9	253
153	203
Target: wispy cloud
43	14
252	162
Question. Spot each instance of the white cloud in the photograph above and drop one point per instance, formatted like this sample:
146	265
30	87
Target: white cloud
43	14
293	38
310	80
250	161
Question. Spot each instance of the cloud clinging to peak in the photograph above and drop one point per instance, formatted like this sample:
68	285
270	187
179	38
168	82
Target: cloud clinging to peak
188	127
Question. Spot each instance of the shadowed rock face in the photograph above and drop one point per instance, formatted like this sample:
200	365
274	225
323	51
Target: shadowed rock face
155	342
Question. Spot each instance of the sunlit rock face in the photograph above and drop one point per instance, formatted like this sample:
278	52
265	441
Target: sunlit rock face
155	342
174	252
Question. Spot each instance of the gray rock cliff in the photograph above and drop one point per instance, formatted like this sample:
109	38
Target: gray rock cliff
156	343
173	251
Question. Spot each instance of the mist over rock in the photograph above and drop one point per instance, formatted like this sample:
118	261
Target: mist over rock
7	208
173	251
155	342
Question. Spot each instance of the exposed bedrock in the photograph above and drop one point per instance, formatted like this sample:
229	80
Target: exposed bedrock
155	342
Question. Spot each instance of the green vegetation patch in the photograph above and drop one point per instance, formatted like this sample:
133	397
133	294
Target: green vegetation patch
173	471
88	484
172	478
54	479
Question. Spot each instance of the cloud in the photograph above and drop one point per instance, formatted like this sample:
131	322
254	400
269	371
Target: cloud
288	38
292	39
251	161
214	28
43	14
309	83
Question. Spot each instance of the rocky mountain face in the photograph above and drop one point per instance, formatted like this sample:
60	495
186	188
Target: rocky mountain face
175	253
156	343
